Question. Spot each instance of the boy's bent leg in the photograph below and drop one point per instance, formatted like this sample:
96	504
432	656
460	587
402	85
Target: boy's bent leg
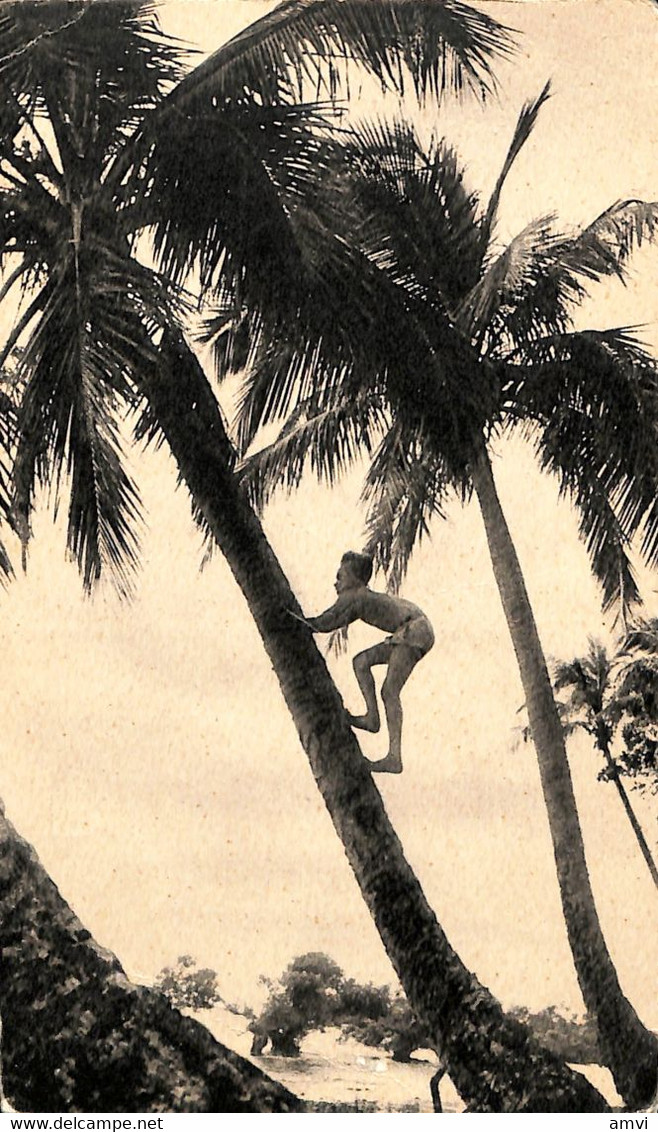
363	663
403	660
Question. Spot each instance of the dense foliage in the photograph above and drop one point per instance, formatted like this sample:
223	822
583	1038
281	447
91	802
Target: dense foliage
571	1038
639	758
313	993
638	691
306	997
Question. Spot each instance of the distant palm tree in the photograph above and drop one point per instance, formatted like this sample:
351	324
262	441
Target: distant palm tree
595	705
488	349
90	156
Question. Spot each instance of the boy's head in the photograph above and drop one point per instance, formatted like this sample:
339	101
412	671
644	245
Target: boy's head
354	570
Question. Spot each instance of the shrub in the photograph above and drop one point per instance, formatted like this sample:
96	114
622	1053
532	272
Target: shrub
188	986
303	999
571	1038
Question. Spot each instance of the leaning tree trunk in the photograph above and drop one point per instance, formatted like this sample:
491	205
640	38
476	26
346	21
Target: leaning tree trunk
494	1061
5	1106
628	1048
613	772
79	1037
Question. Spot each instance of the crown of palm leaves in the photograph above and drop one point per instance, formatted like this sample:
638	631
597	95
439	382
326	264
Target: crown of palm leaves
92	153
478	343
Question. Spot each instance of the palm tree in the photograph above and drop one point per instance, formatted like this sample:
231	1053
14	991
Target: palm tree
467	1023
488	349
100	333
597	705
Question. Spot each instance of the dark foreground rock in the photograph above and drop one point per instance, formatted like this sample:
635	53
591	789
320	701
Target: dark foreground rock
79	1037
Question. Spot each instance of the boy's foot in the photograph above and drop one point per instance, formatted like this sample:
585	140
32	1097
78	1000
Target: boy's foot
364	722
389	765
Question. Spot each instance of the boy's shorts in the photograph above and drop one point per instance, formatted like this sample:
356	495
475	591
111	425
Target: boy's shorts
416	634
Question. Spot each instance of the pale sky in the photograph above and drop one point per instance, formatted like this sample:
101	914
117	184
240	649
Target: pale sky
147	752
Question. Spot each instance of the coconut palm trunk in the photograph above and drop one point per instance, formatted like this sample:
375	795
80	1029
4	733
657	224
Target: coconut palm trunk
628	1048
79	1037
495	1063
613	773
421	392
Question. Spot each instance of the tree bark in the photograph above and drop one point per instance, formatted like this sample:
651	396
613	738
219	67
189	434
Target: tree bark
79	1037
628	1048
494	1061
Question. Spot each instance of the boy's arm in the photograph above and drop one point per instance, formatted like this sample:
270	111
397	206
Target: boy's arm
341	613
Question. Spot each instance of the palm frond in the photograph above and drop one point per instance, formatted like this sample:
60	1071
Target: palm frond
231	332
403	490
31	217
588	677
605	246
341	319
641	637
524	127
22	323
602	532
21	134
441	45
434	386
518	269
293	252
327	442
592	399
421	221
571	726
94	69
387	151
569	674
565	268
228	192
6	568
78	367
636	687
281	377
573	718
249	158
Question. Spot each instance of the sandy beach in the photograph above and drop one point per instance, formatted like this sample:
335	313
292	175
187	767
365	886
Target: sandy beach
339	1070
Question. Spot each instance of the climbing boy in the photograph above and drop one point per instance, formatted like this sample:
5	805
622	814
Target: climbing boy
411	637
